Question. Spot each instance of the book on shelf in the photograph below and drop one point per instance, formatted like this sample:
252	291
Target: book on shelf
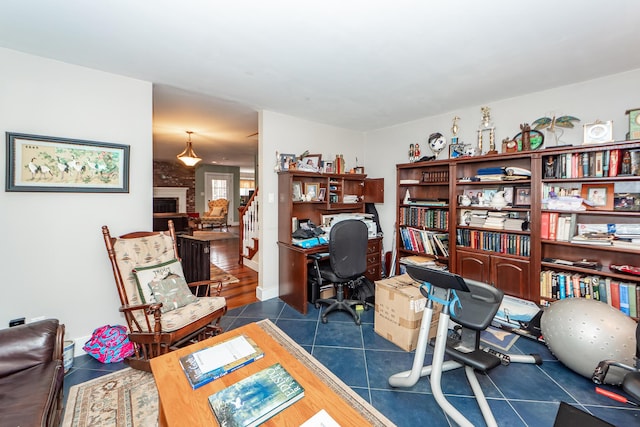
203	366
254	399
596	239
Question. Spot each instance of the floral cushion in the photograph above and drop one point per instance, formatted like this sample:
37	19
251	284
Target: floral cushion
172	292
149	276
215	211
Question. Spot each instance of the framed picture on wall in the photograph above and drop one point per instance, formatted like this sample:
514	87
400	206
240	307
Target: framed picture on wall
52	164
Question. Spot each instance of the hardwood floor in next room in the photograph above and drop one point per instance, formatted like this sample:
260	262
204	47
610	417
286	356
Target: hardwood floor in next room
225	254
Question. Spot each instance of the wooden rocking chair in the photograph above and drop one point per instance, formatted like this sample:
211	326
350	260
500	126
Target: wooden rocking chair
156	327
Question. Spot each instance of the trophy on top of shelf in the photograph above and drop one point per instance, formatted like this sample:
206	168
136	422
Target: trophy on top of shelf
486	126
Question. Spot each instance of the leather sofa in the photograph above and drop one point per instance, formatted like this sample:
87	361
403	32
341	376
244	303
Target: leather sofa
31	374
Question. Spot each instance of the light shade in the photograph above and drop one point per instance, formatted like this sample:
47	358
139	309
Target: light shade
188	156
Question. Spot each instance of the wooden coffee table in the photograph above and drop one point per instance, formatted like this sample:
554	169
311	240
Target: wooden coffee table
180	405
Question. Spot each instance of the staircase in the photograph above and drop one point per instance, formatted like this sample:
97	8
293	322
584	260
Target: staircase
248	243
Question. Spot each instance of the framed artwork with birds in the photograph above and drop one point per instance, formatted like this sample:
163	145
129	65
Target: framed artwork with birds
50	164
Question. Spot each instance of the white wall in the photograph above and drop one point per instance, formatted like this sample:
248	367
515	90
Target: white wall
291	135
54	261
604	99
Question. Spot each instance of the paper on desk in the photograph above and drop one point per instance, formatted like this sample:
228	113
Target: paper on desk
222	354
321	419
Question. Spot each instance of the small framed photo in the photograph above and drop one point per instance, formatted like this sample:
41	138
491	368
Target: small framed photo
522	197
311	162
626	202
297	191
286	160
322	194
508	195
598	132
456	150
328	167
311	190
598	196
359	169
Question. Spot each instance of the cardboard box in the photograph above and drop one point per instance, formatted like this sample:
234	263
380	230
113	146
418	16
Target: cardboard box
399	309
327	291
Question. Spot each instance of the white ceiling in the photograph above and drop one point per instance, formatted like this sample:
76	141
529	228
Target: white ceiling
357	64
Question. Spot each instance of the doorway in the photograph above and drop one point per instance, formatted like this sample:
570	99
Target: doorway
219	186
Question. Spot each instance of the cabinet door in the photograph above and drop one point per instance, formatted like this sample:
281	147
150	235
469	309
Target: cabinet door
472	265
510	275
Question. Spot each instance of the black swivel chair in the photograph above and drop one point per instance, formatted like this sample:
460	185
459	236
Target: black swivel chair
345	267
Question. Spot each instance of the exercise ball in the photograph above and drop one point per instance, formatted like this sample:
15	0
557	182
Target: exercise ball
583	332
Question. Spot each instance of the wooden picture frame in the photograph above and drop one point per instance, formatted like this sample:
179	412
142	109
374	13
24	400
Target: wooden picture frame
598	196
522	197
50	164
311	160
358	169
311	190
322	194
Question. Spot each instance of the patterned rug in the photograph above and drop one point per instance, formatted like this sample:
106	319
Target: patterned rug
129	397
219	274
214	235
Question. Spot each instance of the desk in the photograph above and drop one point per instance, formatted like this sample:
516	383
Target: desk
294	268
179	405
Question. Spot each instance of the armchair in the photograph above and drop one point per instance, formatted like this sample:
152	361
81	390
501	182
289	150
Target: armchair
161	310
32	374
217	214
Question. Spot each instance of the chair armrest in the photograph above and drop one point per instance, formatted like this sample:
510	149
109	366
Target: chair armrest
145	307
207	284
28	345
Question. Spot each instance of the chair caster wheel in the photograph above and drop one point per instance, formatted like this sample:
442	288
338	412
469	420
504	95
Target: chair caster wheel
358	322
324	319
317	306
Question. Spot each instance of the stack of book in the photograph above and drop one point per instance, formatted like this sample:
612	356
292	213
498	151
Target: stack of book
478	218
597	239
513	224
253	400
491	174
350	198
495	220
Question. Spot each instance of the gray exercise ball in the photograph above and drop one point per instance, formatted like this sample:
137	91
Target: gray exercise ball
582	332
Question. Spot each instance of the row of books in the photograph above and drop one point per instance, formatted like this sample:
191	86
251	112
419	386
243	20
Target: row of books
250	401
424	217
556	226
624	296
504	243
606	163
426	242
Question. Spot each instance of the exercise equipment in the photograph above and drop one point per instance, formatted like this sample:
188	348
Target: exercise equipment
583	332
472	305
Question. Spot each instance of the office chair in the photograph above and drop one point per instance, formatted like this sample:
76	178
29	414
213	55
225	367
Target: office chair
347	263
472	305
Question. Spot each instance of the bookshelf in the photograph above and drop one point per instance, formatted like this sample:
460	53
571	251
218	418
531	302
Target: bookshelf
493	246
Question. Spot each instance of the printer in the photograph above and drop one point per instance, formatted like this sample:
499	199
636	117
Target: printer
329	220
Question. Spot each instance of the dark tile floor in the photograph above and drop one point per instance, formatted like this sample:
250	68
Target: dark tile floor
518	394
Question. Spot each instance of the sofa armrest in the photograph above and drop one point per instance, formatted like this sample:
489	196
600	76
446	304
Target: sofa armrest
28	345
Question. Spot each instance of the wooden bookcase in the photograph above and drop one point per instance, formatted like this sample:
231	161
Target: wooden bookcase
513	260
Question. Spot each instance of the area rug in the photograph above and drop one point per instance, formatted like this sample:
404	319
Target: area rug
498	338
214	235
219	274
125	398
129	397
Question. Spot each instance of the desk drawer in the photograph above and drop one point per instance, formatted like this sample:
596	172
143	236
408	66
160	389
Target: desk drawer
373	272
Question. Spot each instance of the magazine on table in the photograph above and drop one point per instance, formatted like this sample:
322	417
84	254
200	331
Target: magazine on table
255	399
211	363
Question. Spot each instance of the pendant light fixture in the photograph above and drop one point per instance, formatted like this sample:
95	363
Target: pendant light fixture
188	156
